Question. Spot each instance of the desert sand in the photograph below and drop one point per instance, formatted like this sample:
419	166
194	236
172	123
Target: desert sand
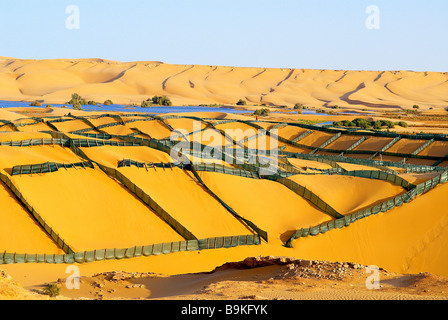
92	210
133	82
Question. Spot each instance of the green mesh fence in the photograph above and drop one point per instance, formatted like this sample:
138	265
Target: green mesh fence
310	196
149	165
37	142
133	252
328	142
366	162
378	175
383	207
163	214
263	234
47	167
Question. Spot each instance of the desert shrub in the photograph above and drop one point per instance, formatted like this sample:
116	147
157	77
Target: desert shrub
161	101
77	106
91	103
361	123
35	104
49	106
402	124
145	104
51	290
415	106
108	102
241	102
377	125
261	112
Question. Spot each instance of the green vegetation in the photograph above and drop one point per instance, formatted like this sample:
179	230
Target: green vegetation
415	106
365	124
160	101
51	290
108	102
35	104
261	112
77	100
145	104
91	103
49	106
241	102
77	106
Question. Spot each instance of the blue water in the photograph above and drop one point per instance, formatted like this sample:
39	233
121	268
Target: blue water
176	109
123	108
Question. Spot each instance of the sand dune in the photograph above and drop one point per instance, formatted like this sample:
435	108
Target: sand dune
392	239
132	82
19	232
270	205
97	212
361	192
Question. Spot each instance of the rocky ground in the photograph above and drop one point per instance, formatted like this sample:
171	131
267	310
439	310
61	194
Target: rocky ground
257	278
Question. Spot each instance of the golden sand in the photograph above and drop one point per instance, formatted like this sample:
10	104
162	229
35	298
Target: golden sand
154	128
12	156
55	80
186	201
352	193
19	232
303	164
269	205
410	238
91	211
111	155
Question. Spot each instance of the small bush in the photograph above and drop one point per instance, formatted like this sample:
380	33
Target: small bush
261	112
77	106
415	106
51	290
241	102
402	124
35	104
91	103
49	106
145	104
161	101
108	102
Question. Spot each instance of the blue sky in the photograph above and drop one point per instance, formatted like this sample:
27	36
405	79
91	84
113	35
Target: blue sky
314	34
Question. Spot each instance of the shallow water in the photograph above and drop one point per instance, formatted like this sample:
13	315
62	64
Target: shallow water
123	108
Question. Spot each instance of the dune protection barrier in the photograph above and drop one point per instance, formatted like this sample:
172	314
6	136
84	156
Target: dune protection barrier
143	196
47	167
373	210
133	252
193	168
263	234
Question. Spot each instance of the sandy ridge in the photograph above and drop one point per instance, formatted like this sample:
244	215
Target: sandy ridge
53	81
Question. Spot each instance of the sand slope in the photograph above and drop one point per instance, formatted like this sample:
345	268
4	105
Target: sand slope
132	82
91	211
407	239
